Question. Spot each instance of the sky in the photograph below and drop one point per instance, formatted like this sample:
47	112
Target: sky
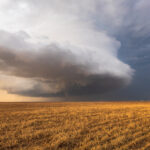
74	50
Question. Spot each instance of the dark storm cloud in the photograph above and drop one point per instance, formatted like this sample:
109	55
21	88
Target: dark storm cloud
100	32
55	71
95	86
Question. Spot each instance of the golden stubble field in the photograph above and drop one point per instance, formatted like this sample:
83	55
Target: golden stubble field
75	125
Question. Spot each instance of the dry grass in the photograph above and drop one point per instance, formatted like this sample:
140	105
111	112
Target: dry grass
79	126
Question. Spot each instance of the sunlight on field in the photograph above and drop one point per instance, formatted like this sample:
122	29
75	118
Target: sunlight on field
103	125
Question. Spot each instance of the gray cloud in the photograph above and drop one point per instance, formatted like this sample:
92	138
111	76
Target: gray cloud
51	70
74	46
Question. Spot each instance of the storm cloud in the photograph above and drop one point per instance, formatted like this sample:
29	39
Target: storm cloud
57	71
51	48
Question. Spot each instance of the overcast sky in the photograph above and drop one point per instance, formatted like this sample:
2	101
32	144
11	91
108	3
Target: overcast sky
89	49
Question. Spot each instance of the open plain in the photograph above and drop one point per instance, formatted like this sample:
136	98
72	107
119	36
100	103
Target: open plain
75	125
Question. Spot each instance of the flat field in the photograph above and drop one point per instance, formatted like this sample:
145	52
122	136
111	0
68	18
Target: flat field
75	125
